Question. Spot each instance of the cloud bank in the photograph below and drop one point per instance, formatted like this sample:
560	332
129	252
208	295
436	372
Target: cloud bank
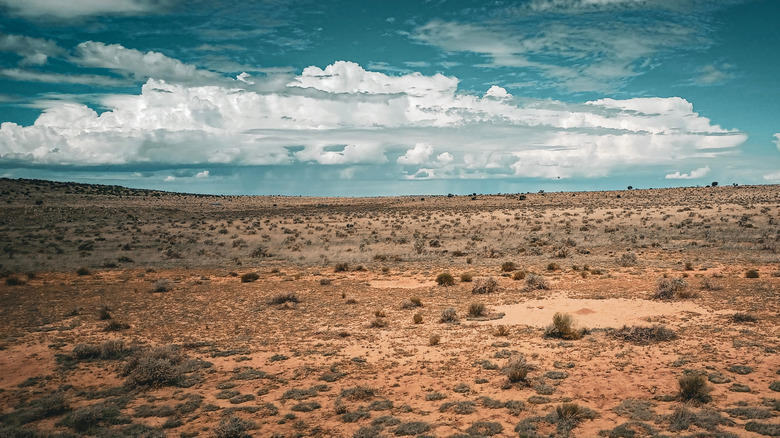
410	126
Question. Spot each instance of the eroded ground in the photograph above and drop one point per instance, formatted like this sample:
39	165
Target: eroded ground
324	343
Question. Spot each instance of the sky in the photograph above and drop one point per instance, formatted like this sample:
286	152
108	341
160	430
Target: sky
373	98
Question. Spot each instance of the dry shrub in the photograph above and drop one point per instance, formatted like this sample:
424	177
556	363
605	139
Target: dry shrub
628	259
249	277
284	297
517	368
341	267
434	340
449	315
743	317
157	367
162	286
417	318
562	328
485	285
644	335
445	279
537	282
466	277
508	266
477	309
501	330
752	273
412	303
694	388
669	288
378	323
518	275
233	427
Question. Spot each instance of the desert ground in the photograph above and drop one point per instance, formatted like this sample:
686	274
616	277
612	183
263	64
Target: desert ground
632	313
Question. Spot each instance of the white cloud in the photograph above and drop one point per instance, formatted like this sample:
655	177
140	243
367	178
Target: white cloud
497	92
344	115
576	57
17	74
714	74
698	173
34	51
170	178
202	175
417	155
72	9
142	66
772	177
777	140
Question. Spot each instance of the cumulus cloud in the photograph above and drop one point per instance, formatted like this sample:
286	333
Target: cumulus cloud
777	140
698	173
417	155
74	9
412	125
772	177
202	175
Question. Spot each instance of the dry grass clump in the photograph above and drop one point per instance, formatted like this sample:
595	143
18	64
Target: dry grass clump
233	427
694	388
466	277
501	330
341	267
751	273
537	282
249	277
670	288
434	339
743	317
562	328
477	309
284	297
417	318
627	260
508	267
83	270
162	285
644	335
485	285
445	279
449	315
518	275
517	369
378	323
112	349
160	366
412	303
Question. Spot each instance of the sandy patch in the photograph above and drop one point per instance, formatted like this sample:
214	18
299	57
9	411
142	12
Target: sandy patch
612	313
403	283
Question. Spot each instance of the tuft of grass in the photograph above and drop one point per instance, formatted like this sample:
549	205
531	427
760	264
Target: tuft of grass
284	297
552	266
434	339
115	326
694	388
233	427
341	267
508	267
13	280
743	317
537	282
501	330
518	275
412	428
517	369
644	335
162	286
417	318
466	277
751	273
378	323
485	285
250	277
161	366
449	315
445	279
358	393
562	328
83	270
477	309
669	288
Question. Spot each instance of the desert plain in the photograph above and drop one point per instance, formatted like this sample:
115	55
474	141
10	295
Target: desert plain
630	313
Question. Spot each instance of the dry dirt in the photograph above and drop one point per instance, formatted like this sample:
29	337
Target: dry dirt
199	349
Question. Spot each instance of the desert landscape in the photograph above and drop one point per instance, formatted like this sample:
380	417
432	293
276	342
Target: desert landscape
631	313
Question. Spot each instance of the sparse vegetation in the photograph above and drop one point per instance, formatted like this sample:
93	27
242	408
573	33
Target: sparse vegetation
644	335
670	288
250	277
449	315
477	309
562	327
517	369
751	273
694	388
537	282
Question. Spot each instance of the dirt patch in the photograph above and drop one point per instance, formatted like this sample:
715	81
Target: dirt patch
591	313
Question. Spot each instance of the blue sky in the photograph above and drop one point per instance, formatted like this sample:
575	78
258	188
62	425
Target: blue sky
384	98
